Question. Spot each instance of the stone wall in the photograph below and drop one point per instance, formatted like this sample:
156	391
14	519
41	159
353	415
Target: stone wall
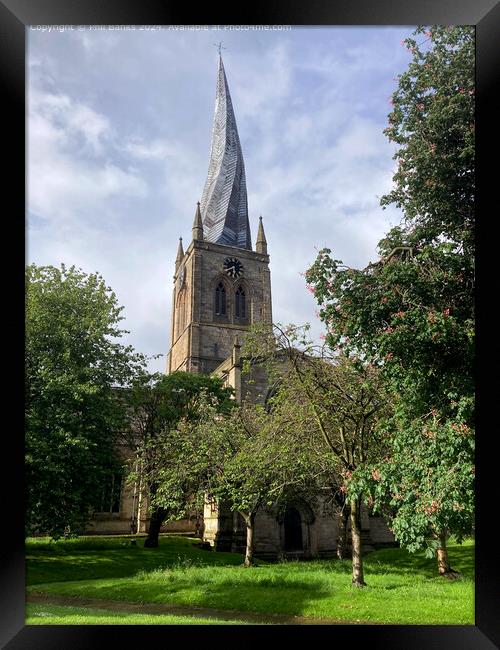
319	530
380	533
207	339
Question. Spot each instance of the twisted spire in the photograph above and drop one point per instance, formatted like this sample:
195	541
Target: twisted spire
224	206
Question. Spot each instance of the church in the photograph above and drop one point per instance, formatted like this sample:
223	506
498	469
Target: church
222	286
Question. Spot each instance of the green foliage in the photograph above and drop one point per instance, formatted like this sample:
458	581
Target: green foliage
74	366
411	316
412	313
159	401
163	411
426	485
248	461
433	123
330	402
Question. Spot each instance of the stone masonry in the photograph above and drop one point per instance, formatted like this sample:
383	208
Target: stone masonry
201	340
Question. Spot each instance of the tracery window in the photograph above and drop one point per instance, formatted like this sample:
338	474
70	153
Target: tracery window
220	299
240	309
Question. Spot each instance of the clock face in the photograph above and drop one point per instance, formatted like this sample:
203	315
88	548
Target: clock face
233	267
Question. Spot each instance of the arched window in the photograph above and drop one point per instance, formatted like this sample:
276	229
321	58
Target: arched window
181	312
220	299
240	308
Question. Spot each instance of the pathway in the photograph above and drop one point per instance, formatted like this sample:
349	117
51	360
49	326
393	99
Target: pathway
199	612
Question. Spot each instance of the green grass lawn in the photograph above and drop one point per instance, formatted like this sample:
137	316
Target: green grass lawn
37	614
402	588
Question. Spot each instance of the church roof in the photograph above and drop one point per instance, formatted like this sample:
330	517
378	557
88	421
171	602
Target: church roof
224	206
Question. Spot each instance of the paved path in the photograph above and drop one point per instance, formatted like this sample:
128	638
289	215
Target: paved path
199	612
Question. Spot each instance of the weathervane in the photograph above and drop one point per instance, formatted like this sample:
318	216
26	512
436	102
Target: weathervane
220	47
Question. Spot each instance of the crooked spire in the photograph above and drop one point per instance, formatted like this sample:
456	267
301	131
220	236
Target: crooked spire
224	206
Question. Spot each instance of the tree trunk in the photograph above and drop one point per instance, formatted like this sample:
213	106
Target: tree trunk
357	559
342	550
249	520
443	561
157	518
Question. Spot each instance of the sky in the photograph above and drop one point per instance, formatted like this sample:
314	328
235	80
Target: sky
119	128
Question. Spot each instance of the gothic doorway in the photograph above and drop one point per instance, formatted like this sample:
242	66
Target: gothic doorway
293	530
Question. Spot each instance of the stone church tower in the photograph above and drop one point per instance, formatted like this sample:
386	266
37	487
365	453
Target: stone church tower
221	284
221	287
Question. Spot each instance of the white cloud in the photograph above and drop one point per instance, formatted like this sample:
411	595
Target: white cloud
265	79
73	119
98	44
181	172
66	181
153	150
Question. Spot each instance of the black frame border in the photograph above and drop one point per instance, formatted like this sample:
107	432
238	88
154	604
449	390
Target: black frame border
15	15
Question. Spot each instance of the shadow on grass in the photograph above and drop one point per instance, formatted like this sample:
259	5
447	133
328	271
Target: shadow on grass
71	560
89	559
400	562
286	598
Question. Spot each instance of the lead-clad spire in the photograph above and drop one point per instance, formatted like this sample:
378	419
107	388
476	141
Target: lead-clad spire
224	205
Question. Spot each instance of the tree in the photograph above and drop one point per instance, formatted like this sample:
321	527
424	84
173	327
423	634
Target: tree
432	122
250	462
425	485
73	412
157	405
333	403
412	313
